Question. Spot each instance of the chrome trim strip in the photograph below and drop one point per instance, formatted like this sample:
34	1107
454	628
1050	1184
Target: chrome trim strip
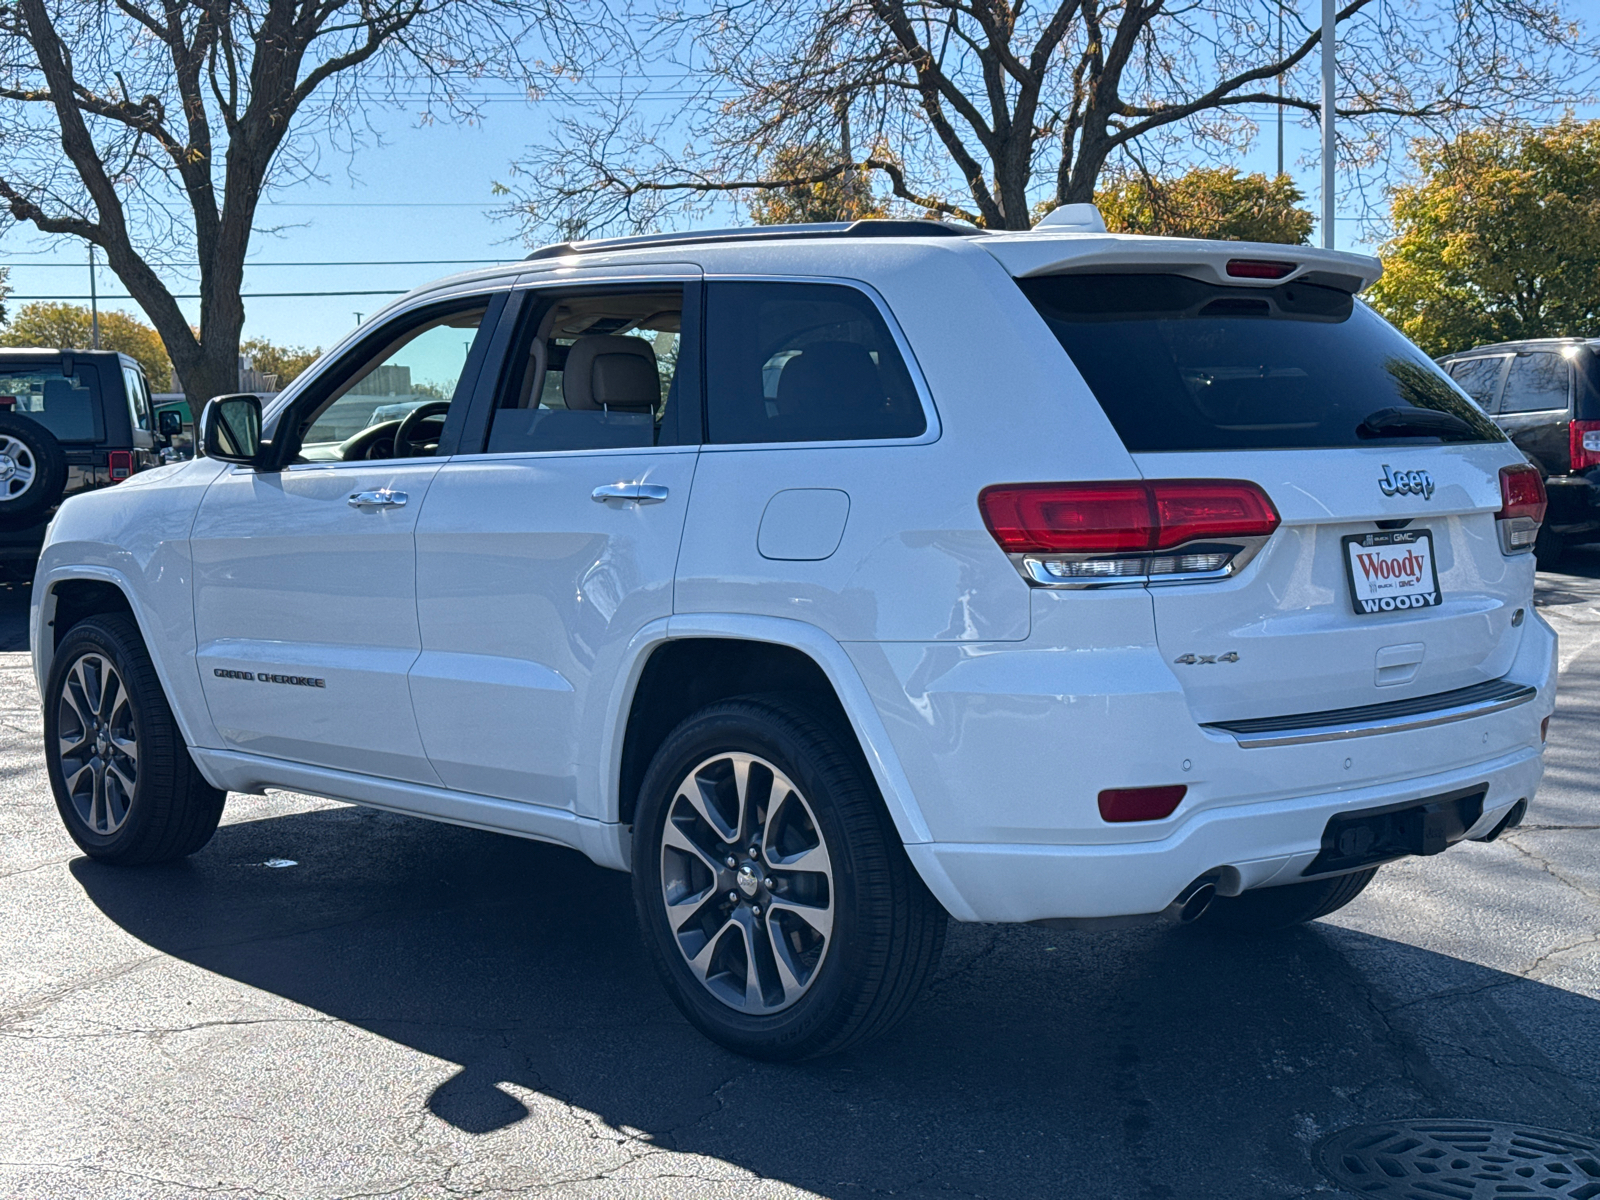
1030	566
1509	695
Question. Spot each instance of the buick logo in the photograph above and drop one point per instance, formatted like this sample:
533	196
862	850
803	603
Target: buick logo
1405	483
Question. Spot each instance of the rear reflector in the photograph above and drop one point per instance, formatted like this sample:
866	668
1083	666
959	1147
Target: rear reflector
1123	516
1584	444
1259	268
121	464
1140	804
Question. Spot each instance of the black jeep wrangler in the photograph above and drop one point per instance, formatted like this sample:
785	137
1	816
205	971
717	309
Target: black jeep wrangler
70	420
1545	394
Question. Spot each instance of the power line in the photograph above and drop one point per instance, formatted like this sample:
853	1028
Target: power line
396	262
243	295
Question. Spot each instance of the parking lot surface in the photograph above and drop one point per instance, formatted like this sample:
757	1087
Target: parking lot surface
334	1002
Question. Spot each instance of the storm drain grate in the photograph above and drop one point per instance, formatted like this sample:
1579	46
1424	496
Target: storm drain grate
1462	1160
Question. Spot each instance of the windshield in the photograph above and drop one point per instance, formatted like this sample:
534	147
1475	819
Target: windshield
1180	364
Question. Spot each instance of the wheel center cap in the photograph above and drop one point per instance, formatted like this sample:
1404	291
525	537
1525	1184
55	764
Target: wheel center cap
8	467
747	879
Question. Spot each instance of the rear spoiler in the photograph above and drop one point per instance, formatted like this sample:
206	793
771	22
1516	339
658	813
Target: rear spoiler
1247	264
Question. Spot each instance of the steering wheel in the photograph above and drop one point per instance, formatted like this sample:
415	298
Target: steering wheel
375	441
407	443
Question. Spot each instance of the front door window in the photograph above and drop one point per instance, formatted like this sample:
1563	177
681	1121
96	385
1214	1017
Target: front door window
394	401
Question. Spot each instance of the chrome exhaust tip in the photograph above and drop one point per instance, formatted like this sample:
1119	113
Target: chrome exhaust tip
1192	902
1510	821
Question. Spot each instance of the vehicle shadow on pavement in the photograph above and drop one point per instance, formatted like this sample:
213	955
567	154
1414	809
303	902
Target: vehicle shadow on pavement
1151	1062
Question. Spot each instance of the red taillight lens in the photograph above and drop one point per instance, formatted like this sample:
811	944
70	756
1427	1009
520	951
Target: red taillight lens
1123	516
1521	493
1140	804
121	464
1585	444
1259	268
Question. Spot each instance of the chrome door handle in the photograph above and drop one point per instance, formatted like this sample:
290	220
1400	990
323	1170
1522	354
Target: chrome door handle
639	493
382	498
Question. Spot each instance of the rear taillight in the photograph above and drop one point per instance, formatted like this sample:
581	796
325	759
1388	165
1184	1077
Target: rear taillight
1585	444
1522	507
1140	804
1074	534
121	464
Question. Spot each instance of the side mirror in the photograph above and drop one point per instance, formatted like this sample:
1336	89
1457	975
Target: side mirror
230	428
169	422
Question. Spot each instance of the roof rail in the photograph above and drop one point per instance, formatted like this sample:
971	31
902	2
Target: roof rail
762	233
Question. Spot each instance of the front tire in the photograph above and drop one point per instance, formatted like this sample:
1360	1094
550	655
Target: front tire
124	783
1267	910
775	898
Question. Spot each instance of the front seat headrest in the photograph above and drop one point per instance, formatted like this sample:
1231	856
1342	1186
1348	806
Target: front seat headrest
618	374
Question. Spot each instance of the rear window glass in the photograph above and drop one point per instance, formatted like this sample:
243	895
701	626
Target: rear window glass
66	405
1478	377
1537	382
1179	364
803	362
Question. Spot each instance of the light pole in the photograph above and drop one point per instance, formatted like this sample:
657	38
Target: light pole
1280	90
94	304
1328	39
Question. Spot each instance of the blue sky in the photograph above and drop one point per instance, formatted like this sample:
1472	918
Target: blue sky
425	194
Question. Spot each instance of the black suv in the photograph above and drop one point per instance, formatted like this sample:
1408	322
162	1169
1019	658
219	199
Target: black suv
70	420
1545	394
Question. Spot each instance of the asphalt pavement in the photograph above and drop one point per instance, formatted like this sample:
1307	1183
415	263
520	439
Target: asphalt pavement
334	1002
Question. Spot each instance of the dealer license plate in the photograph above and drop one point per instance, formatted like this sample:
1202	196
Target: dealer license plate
1391	572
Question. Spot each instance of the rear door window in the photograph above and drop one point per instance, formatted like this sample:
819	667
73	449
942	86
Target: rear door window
598	370
804	362
67	405
1480	379
1537	382
1182	364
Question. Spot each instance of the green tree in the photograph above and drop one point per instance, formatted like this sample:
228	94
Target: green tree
1498	238
828	196
69	327
283	361
1208	202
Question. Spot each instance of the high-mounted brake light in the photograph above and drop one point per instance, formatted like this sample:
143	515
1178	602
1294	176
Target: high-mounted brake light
1522	507
1259	268
1584	444
121	464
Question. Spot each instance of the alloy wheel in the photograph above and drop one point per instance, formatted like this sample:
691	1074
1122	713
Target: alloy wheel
97	744
747	883
18	468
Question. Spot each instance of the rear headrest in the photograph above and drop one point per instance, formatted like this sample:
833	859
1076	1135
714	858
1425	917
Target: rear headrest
614	373
57	391
829	377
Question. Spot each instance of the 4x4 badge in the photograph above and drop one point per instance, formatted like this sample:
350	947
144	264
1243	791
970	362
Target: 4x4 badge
1190	660
1402	483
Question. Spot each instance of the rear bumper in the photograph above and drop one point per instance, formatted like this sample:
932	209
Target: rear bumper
1247	845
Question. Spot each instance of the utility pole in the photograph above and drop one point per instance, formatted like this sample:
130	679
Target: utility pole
94	304
1328	39
1280	89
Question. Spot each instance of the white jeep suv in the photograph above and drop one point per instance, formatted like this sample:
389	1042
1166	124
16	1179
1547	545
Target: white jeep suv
833	580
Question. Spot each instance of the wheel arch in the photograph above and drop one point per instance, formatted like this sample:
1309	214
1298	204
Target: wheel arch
68	595
689	662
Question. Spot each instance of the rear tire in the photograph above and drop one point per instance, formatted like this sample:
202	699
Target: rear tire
1548	547
125	785
820	940
1266	910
